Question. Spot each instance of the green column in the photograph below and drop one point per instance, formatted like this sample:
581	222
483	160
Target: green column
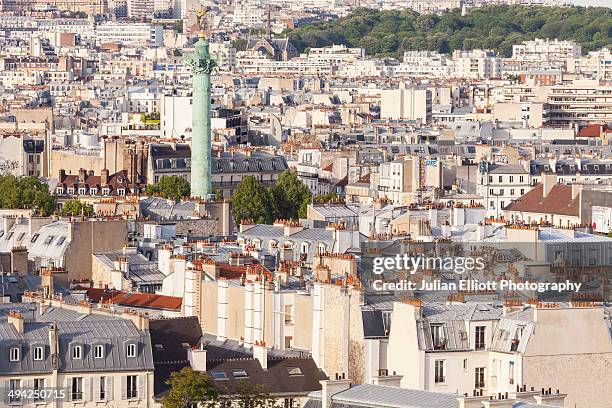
202	66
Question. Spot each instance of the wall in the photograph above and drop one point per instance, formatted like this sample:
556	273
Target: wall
89	237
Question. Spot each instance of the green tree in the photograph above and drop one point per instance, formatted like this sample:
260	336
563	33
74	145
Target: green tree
173	187
190	388
27	193
291	196
251	201
76	207
391	32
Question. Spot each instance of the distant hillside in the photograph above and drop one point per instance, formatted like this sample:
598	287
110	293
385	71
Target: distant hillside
494	27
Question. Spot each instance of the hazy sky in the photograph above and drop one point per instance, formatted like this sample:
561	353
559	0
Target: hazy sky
606	3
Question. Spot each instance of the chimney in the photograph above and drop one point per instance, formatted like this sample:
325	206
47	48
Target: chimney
549	399
329	388
16	319
197	357
498	403
548	182
522	395
576	190
53	342
82	175
104	177
383	378
9	221
475	401
260	352
62	175
140	320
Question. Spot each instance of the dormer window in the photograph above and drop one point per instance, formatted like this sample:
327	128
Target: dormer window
59	190
14	354
82	190
98	351
131	350
93	191
38	353
70	190
77	352
105	191
121	191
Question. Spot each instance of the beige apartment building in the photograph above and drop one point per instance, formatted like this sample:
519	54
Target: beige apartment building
406	104
462	347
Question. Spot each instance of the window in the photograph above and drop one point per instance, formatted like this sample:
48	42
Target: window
20	237
501	179
439	376
386	318
218	375
60	241
131	350
76	389
437	337
98	351
479	377
511	372
239	373
289	403
38	353
76	352
34	238
131	387
465	364
39	385
14	354
102	389
293	371
14	385
288	314
49	239
480	338
9	236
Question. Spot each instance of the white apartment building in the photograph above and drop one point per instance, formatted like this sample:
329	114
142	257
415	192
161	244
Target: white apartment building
501	185
89	361
581	102
463	347
477	64
424	64
130	34
336	54
249	63
550	50
401	179
141	8
406	104
596	65
250	14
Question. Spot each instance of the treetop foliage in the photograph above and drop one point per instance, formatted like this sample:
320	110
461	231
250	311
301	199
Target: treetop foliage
495	27
173	187
25	193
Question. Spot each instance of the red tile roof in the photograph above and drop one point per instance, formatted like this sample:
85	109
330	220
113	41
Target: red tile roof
122	298
558	201
590	131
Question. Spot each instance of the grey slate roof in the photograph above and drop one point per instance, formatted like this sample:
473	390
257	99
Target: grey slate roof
366	395
114	335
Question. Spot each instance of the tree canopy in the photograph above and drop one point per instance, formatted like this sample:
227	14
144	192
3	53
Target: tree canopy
26	193
173	187
251	201
495	27
76	207
290	197
189	388
287	199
